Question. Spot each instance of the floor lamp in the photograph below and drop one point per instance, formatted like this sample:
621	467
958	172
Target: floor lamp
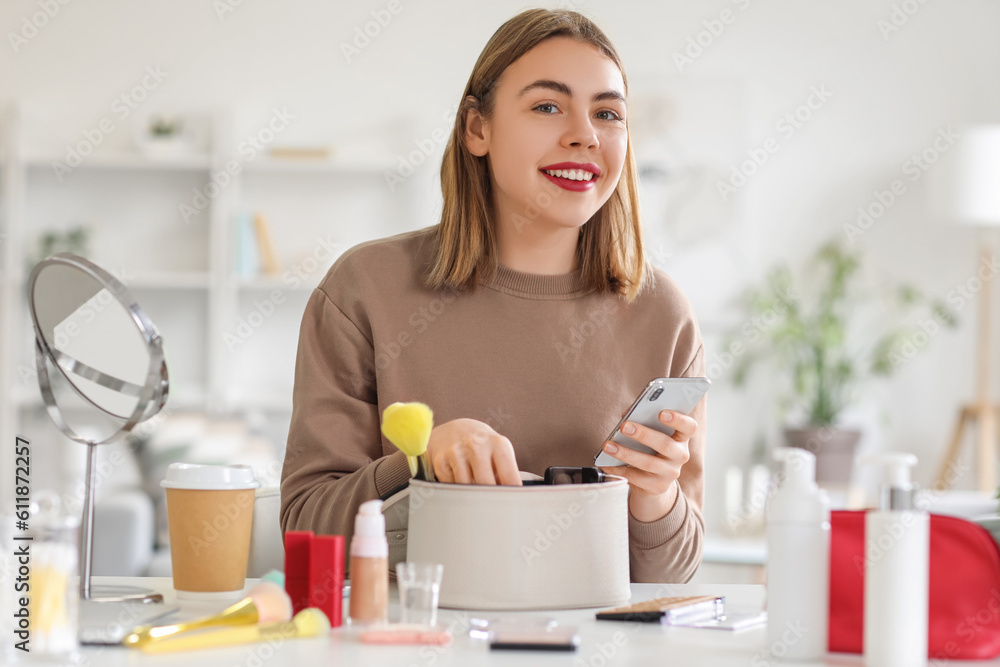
975	199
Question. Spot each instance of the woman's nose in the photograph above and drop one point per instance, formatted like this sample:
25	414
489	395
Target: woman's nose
581	132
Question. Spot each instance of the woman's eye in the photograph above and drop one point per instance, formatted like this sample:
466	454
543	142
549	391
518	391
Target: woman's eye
607	114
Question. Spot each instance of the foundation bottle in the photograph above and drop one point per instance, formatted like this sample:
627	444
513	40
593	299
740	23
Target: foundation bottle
369	602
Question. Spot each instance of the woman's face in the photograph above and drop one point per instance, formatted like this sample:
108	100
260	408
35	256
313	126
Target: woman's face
561	102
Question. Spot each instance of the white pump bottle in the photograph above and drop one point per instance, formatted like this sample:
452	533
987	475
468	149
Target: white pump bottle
897	570
798	560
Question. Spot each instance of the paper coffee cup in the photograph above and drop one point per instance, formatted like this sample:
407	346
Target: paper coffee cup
209	513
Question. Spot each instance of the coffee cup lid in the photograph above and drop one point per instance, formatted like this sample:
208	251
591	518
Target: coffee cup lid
209	478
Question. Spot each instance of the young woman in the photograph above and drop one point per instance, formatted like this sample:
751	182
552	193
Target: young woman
527	319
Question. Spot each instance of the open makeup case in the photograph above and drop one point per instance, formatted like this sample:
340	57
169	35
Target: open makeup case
536	546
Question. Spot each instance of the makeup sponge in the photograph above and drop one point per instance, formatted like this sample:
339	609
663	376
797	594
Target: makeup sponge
272	602
275	576
408	426
311	622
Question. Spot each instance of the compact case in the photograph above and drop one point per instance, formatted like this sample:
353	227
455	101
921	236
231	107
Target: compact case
537	546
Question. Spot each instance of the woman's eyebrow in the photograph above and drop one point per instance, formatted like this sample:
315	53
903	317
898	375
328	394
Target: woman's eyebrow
561	87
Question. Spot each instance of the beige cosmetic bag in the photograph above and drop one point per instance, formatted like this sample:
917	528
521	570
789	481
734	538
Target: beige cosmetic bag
561	546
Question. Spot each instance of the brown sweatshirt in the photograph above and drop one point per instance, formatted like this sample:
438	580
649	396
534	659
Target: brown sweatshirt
543	360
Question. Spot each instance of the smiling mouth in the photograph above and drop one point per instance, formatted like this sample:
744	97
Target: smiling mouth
571	174
572	180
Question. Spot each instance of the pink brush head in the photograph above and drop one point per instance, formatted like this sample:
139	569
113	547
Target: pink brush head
272	602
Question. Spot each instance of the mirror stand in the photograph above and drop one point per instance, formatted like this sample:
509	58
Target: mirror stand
52	286
101	593
87	591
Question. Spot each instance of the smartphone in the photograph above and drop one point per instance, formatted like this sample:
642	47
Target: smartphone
674	394
559	638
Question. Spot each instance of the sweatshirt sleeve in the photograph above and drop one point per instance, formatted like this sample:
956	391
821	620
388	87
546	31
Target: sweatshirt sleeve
333	459
670	548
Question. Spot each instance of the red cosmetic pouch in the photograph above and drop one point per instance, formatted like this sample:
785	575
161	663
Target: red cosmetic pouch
964	614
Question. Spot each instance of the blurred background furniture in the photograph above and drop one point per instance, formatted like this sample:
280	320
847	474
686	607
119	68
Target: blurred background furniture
976	201
267	548
123	534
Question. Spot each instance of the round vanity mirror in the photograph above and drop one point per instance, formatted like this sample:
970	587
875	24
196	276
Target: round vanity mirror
108	352
90	328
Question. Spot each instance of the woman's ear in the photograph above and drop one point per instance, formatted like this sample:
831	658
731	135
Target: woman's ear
476	130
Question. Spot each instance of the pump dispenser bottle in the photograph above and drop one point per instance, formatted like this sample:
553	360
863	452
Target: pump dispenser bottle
369	602
897	561
798	560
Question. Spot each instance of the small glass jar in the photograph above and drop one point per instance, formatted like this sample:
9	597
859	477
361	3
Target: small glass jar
53	580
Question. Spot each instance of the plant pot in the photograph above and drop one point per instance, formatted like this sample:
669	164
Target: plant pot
165	147
834	449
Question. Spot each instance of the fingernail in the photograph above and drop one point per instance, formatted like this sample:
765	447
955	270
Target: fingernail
610	447
628	428
667	415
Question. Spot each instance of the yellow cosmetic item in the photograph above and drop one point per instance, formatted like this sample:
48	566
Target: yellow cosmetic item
266	603
48	604
310	622
409	426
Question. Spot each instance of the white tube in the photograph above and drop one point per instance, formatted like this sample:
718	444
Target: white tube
897	548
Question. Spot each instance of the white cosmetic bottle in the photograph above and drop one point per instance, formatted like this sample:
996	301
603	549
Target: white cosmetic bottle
798	560
897	560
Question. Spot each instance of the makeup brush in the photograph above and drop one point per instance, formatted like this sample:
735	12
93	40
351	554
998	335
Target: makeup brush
309	622
408	426
265	603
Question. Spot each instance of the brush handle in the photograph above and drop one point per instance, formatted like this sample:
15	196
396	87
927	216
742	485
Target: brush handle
231	636
243	612
420	467
425	470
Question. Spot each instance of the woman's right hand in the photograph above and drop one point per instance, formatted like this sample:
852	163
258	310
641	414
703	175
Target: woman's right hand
468	451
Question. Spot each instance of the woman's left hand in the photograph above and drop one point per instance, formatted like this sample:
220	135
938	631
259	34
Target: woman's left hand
653	477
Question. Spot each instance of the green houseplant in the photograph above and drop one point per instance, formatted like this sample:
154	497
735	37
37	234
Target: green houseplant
818	335
75	240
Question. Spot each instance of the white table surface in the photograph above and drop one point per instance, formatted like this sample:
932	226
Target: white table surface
602	643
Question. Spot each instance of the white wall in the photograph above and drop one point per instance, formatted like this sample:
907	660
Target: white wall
889	96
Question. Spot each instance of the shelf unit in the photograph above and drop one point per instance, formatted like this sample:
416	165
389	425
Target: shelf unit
126	161
184	272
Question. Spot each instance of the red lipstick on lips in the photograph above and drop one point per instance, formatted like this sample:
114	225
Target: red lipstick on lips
568	184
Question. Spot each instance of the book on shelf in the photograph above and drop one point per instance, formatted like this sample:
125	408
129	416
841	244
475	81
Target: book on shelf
301	153
255	255
268	260
247	260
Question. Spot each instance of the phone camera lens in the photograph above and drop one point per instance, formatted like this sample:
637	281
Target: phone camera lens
656	394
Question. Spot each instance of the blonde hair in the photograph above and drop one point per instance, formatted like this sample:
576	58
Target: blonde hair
609	251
